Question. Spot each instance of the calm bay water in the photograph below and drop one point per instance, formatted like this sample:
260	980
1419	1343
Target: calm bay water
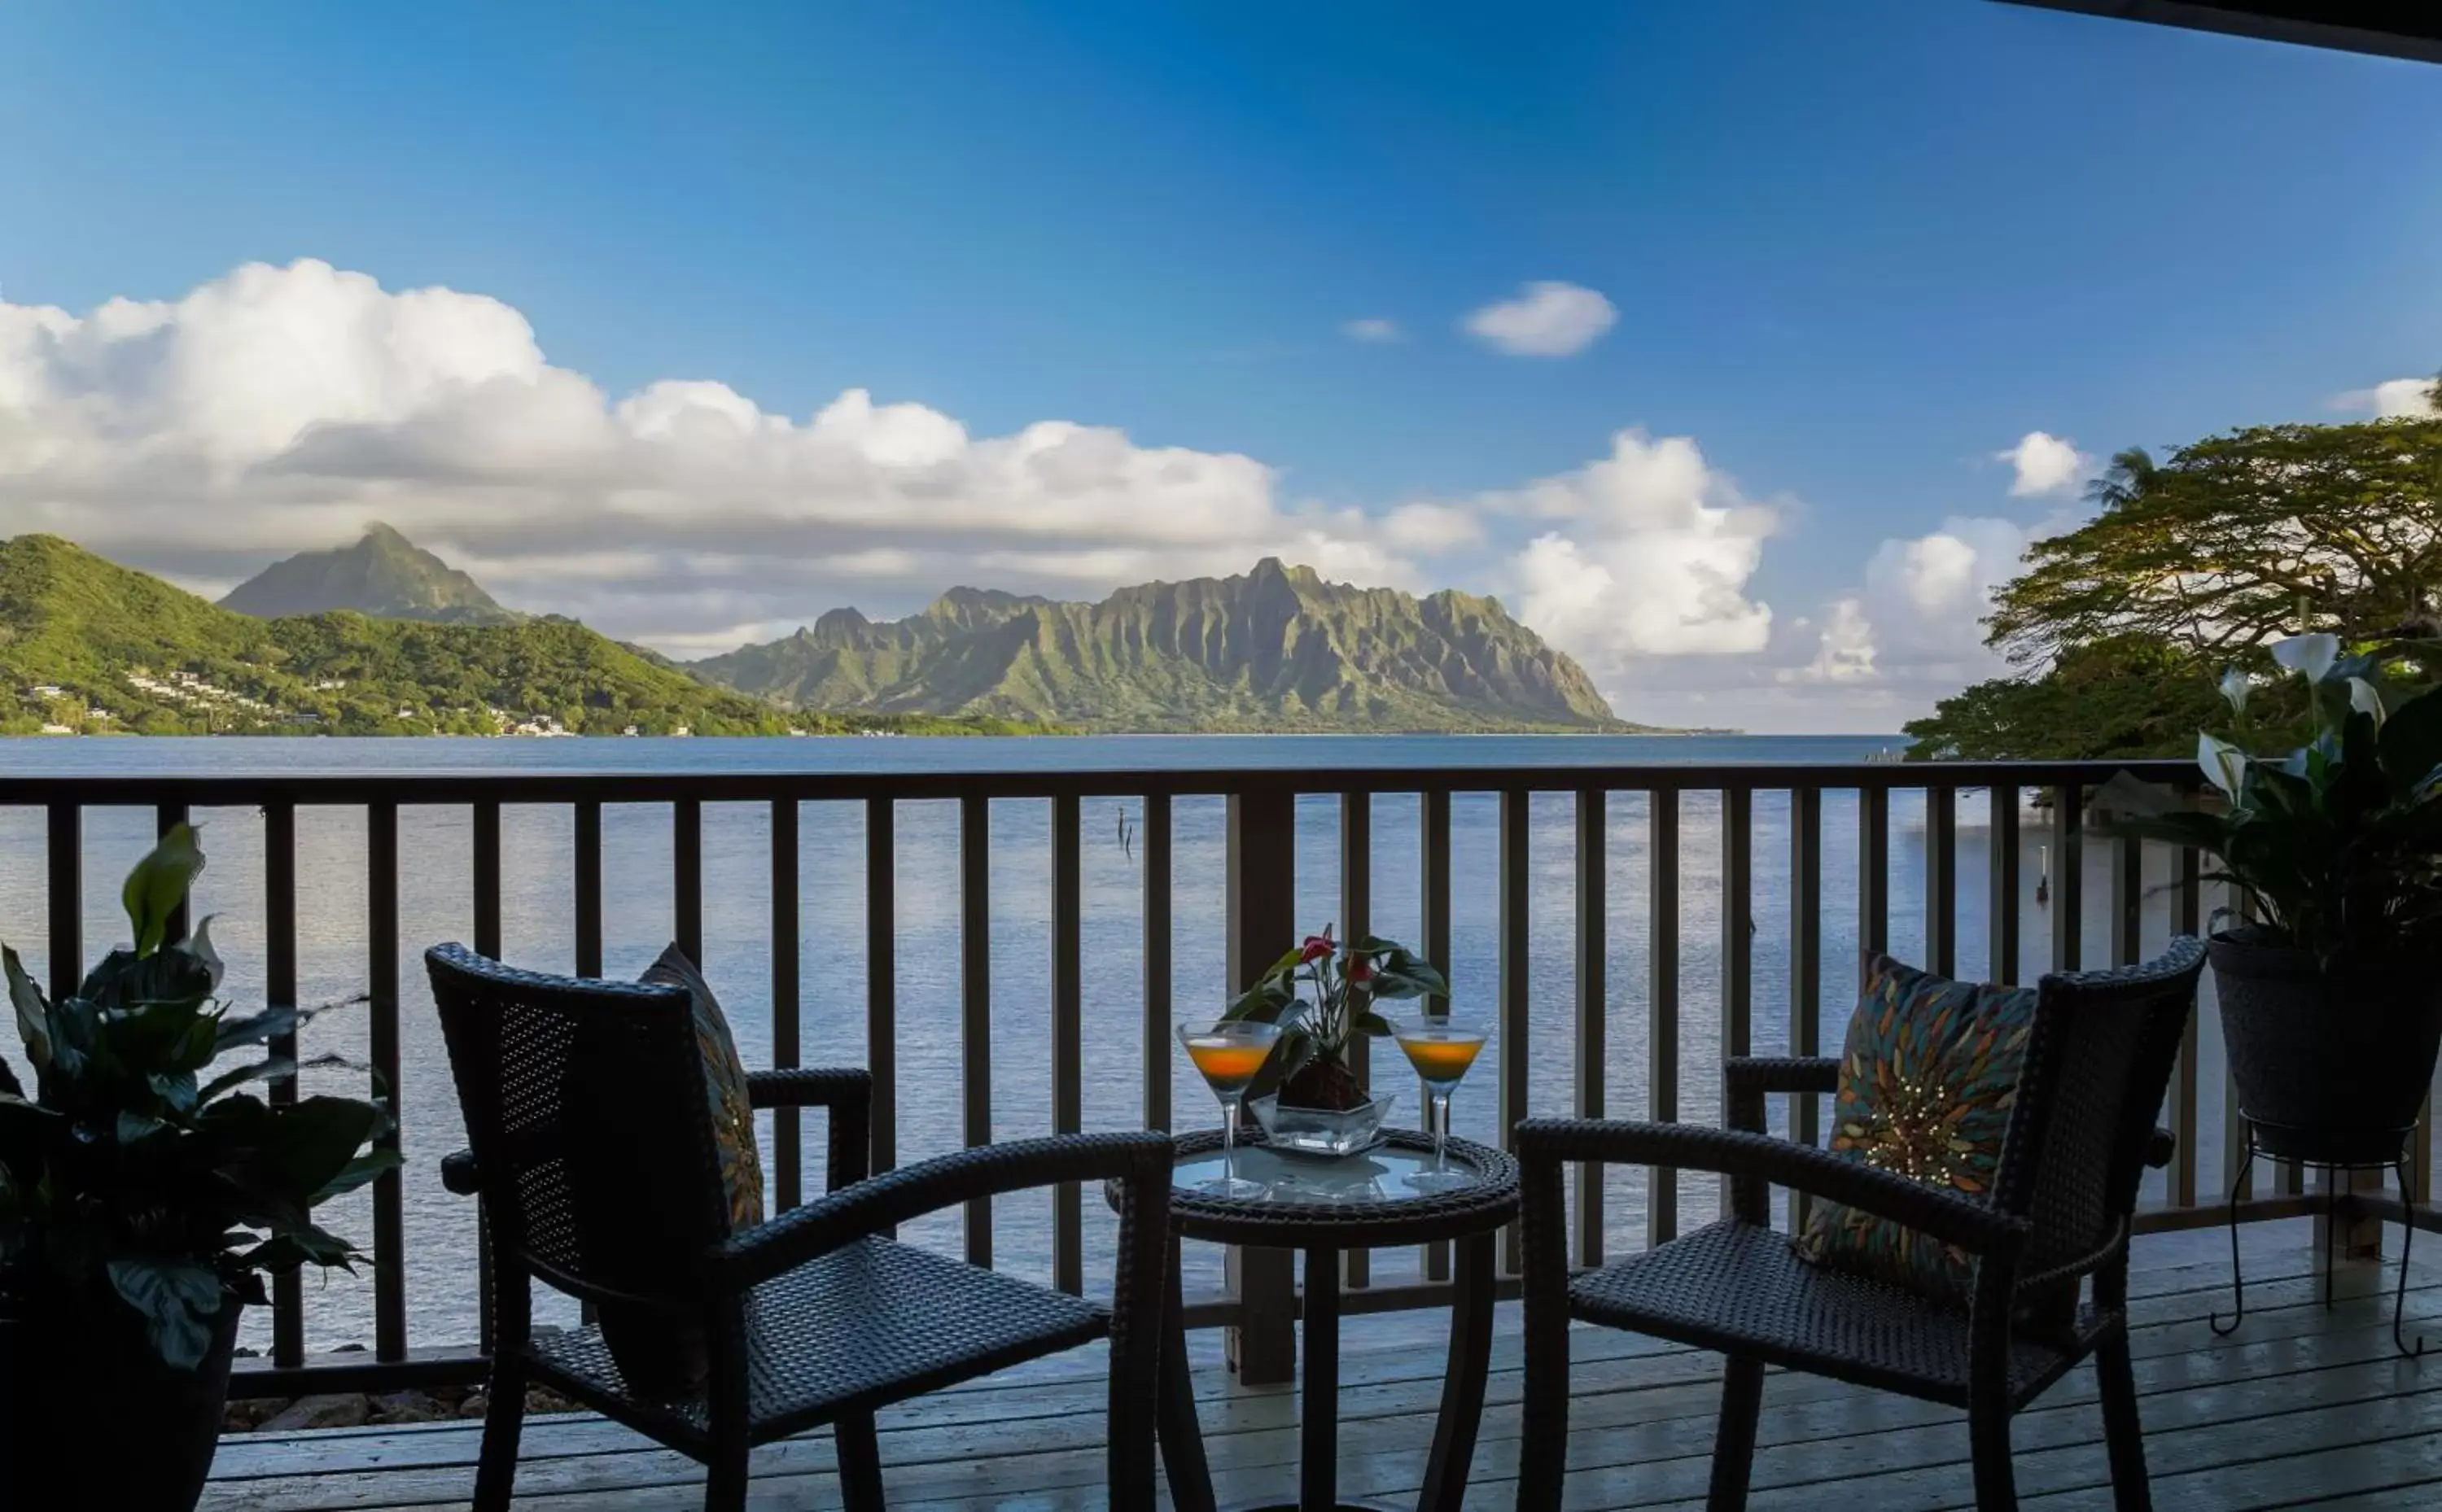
436	887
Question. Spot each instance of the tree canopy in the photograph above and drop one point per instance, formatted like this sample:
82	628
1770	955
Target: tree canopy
2189	565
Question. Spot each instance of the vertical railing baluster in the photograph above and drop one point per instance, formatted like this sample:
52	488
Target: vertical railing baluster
2068	875
1067	1034
2001	895
166	817
1873	872
279	991
1805	958
687	877
1433	899
1154	836
2182	1096
1941	879
2128	901
788	1047
1356	923
1738	932
1593	962
1515	922
485	838
64	880
975	1000
1661	1032
882	974
1263	924
381	970
588	882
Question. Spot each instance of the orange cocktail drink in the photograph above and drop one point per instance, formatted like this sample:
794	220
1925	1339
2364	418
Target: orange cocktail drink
1228	1063
1442	1052
1228	1055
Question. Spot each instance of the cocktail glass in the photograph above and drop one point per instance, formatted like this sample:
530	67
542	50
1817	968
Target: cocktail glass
1228	1054
1441	1051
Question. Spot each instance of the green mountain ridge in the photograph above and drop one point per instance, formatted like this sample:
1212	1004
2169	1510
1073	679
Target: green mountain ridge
382	574
1276	648
87	645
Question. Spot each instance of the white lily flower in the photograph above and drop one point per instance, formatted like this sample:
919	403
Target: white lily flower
2309	656
2363	698
2225	763
2236	686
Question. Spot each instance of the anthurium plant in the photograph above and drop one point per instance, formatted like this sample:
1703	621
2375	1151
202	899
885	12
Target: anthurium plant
1322	995
141	1171
2338	845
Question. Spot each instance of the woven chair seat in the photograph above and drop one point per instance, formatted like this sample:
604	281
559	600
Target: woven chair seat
1741	1289
866	1325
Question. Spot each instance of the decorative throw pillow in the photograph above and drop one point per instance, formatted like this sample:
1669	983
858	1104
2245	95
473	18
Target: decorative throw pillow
641	1212
724	1089
1928	1078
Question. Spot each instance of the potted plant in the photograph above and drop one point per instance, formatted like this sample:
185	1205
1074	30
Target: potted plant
1322	995
144	1192
2331	993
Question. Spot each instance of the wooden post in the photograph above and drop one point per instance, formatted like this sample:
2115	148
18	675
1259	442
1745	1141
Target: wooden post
1263	924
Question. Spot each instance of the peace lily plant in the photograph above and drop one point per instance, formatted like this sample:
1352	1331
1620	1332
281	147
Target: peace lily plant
2338	845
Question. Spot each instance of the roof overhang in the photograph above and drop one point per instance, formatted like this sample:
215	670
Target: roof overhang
2398	29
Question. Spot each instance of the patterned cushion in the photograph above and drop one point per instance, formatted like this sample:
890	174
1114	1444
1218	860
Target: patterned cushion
724	1087
643	1213
1928	1078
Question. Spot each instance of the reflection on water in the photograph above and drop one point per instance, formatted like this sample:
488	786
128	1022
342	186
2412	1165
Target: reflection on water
436	880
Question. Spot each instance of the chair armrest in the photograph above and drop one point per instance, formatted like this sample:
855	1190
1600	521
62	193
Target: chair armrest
846	1092
2159	1147
1746	1079
1139	1161
458	1176
1975	1227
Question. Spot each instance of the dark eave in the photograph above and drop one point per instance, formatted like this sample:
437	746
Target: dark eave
2393	29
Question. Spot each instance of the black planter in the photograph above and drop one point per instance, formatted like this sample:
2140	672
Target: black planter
2331	1066
91	1422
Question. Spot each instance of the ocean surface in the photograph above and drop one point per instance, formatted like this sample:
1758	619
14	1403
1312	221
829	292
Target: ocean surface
436	888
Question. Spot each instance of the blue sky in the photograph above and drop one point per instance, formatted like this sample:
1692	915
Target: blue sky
1855	250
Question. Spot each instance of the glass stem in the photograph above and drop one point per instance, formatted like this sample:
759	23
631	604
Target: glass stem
1229	1142
1441	1133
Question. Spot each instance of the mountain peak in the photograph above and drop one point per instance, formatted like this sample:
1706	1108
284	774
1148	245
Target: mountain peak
1276	648
382	574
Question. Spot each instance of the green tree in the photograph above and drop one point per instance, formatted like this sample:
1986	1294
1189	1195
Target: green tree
2121	627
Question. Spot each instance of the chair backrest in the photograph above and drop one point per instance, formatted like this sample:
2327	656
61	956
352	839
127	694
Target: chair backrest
586	1113
2099	1060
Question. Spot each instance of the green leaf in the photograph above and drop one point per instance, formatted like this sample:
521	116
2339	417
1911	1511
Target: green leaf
1375	1023
33	1013
356	1173
180	1302
158	885
134	1127
198	947
2410	744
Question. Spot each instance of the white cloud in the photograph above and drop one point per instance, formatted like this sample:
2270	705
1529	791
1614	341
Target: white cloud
2043	465
1649	554
1373	329
1546	319
2395	398
1844	649
280	408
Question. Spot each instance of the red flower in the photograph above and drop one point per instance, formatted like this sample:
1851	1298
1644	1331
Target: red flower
1318	946
1361	971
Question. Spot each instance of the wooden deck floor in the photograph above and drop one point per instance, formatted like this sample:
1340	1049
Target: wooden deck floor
2302	1407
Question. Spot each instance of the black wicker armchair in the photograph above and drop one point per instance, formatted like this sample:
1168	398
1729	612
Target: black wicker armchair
2080	1135
815	1317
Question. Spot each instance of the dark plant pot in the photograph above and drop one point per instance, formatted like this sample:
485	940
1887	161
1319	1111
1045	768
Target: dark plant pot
91	1422
2331	1065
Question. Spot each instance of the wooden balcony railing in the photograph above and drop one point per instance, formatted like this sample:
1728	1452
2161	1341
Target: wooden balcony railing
1261	922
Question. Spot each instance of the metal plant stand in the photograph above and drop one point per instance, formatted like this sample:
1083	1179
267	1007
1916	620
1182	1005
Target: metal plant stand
2275	1142
1323	1208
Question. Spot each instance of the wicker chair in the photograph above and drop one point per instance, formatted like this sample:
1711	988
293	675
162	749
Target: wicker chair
2081	1133
815	1317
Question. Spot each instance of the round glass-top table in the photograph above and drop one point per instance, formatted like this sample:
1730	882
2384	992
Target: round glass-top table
1324	1206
